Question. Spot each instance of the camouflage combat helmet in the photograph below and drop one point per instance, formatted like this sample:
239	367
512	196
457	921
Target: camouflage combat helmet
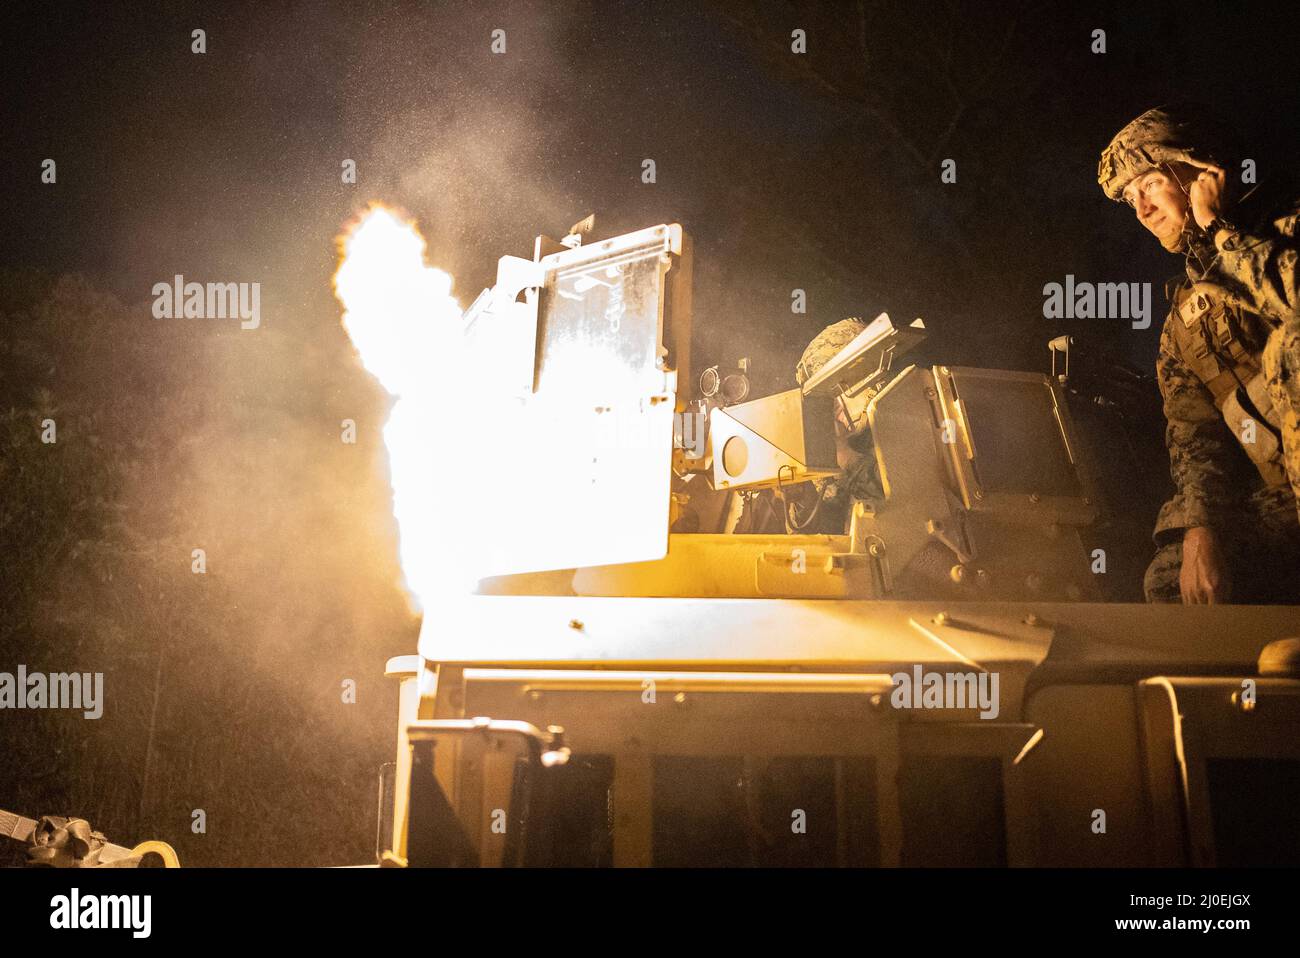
825	345
1166	134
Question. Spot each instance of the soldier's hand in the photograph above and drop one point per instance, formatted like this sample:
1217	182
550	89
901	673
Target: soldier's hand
844	454
1203	579
1207	194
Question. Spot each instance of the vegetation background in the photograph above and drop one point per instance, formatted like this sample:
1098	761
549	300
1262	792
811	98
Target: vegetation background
223	691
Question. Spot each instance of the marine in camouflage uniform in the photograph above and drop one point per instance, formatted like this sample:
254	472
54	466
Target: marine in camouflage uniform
1229	360
859	477
820	508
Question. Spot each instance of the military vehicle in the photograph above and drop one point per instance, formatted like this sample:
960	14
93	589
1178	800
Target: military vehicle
930	679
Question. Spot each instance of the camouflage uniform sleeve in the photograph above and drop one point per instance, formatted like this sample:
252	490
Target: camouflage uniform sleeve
1200	446
1262	269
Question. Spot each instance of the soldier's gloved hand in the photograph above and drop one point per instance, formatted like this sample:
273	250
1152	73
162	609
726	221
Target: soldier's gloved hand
1206	194
845	455
1204	577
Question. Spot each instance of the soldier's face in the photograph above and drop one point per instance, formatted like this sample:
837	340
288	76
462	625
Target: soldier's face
1161	206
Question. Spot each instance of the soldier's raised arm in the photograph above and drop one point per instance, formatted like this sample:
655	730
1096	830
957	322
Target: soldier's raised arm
1260	265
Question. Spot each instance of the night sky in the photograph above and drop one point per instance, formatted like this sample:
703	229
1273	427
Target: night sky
818	172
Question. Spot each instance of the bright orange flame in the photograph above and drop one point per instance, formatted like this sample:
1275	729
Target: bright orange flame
407	328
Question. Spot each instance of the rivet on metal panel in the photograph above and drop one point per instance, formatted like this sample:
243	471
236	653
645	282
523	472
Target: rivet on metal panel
1242	702
534	695
1031	619
679	698
941	618
1035	497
